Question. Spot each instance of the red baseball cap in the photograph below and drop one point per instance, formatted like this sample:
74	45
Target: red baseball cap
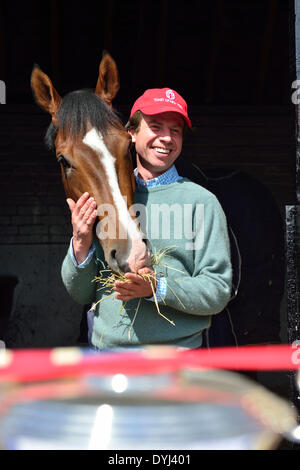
161	100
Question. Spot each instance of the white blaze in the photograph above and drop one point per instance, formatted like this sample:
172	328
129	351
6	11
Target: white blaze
95	141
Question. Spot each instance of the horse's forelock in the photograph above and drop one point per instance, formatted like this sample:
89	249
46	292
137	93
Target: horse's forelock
77	111
82	109
50	137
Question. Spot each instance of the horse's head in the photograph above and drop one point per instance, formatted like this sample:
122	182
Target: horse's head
92	148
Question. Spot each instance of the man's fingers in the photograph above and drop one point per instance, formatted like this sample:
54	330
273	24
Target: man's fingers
80	203
84	210
125	298
87	208
146	271
123	286
91	218
133	277
119	294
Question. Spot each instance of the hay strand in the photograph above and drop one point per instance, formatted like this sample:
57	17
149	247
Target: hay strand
133	320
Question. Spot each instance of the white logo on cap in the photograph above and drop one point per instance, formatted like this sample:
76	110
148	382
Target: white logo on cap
170	94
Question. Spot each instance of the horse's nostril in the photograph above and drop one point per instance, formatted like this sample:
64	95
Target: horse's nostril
118	262
148	244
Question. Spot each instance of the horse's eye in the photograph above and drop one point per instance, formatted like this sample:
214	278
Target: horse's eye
64	162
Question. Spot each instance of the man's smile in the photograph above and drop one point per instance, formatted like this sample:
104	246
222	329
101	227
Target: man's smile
162	150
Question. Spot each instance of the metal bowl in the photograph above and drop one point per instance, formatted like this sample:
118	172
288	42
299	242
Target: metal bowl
184	409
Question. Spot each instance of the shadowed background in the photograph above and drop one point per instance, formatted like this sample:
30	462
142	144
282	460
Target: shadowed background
231	61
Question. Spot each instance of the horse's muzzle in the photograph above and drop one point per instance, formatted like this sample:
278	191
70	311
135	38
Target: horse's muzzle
138	257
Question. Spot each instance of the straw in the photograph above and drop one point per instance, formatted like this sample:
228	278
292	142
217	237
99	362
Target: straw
107	282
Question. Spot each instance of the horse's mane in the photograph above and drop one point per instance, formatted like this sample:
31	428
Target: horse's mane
76	111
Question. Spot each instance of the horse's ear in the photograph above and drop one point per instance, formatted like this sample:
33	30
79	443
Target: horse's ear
44	92
108	81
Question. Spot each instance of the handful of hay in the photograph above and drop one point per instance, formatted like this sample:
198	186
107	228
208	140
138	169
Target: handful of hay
107	282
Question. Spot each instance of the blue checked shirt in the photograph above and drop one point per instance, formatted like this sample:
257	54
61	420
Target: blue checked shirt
170	176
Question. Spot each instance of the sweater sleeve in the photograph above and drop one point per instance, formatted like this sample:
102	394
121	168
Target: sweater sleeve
78	278
207	291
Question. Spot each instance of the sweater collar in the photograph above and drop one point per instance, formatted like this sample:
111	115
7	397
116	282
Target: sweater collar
168	177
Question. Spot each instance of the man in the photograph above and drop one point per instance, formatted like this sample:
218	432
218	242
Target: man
194	281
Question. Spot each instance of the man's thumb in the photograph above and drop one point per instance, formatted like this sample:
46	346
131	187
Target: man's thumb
71	204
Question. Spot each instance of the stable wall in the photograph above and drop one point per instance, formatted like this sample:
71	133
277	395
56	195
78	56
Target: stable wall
43	314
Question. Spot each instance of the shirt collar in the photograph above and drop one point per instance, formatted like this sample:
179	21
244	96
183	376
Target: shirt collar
168	177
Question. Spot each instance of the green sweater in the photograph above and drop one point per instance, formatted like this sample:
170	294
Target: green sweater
189	220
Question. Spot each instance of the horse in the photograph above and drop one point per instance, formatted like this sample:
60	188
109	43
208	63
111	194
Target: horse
93	150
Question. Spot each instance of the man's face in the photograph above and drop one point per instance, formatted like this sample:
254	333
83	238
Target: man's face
158	141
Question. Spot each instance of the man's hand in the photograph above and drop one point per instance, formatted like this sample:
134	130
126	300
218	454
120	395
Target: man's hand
136	286
84	214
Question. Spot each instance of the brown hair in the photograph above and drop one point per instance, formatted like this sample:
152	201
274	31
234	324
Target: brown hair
135	122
